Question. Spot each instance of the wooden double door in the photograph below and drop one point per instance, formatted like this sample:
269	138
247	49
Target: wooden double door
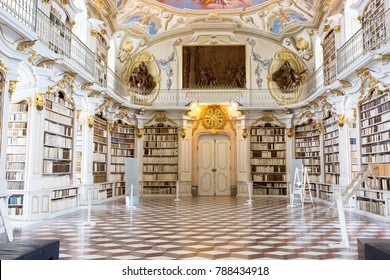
214	164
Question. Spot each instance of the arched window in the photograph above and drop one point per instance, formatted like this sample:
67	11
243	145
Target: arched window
374	25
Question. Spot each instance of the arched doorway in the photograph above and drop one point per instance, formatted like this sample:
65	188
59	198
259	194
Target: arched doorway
214	164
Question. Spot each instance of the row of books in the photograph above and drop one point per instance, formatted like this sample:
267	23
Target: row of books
374	101
268	146
99	147
18	107
97	157
15	185
313	169
57	141
59	100
18	125
120	136
375	120
268	131
375	128
332	168
99	139
160	177
311	161
15	200
154	144
158	190
16	149
331	157
375	207
63	193
99	177
18	117
303	142
332	179
257	185
304	148
15	166
122	141
16	157
16	140
330	121
122	153
162	130
159	137
370	194
270	161
307	127
159	184
269	139
299	154
53	116
155	152
58	128
160	160
377	184
117	168
271	169
375	158
334	142
331	149
56	153
15	211
123	130
269	177
58	108
17	132
160	168
269	191
268	154
380	109
383	147
99	167
331	135
123	145
50	167
374	138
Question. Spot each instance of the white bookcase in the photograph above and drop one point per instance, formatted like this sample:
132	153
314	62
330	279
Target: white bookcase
374	196
268	160
160	159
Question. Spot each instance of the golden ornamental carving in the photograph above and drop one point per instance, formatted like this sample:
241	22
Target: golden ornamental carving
289	131
326	28
90	121
94	33
326	107
183	133
110	126
12	87
26	44
213	117
3	68
86	86
66	86
244	133
337	28
345	83
368	84
139	132
104	107
320	127
124	115
160	117
354	113
341	120
78	113
40	101
337	92
101	5
269	117
384	58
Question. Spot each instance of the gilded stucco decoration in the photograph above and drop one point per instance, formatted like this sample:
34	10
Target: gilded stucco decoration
305	116
104	107
144	60
125	50
326	107
301	44
287	74
66	86
11	88
123	114
269	117
160	117
213	118
368	84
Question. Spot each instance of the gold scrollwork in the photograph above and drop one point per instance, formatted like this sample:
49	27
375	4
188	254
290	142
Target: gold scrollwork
139	132
341	120
27	44
244	133
183	133
12	87
40	101
289	132
90	121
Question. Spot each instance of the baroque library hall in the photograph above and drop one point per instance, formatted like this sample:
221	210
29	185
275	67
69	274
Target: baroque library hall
195	130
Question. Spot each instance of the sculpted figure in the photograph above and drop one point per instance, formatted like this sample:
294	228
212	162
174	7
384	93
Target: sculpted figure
286	78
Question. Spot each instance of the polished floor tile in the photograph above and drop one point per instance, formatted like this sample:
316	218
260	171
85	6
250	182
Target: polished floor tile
202	228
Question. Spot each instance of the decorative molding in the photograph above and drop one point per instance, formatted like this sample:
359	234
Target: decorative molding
320	127
104	107
354	113
269	117
160	117
290	132
78	113
336	92
244	133
326	28
40	101
345	83
337	28
368	84
111	126
26	44
90	121
86	86
165	64
12	87
139	132
94	33
183	133
384	58
341	120
261	63
65	85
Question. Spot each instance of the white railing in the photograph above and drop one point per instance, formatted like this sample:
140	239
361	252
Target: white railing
374	34
24	10
116	84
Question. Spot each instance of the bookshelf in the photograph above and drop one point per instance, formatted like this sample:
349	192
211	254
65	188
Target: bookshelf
353	154
307	148
79	153
122	146
331	158
58	136
100	141
160	159
16	146
63	199
374	196
268	160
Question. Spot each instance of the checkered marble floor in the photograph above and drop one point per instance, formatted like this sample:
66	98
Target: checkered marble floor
202	228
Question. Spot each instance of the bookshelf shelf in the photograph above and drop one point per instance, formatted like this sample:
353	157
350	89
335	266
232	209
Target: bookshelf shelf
268	160
374	195
100	139
160	162
308	148
58	136
122	146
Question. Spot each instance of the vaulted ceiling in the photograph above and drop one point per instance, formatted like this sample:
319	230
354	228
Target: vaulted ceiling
154	19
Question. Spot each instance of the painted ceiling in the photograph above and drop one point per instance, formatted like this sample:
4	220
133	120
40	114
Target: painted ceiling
156	18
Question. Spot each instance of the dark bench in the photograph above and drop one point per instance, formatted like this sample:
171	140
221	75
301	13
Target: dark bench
373	249
30	250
